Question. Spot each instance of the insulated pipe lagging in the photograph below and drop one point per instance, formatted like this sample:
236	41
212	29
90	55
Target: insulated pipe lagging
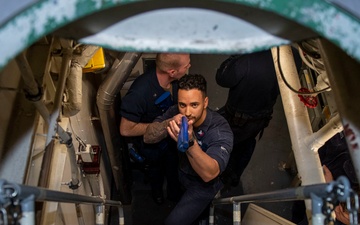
74	80
74	92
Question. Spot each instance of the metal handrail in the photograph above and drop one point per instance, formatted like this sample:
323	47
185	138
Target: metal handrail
319	193
27	195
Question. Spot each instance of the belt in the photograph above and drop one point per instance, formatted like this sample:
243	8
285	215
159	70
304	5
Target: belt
241	114
198	179
241	118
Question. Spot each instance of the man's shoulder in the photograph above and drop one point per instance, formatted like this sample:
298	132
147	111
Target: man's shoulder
172	111
215	122
145	78
220	123
216	117
217	130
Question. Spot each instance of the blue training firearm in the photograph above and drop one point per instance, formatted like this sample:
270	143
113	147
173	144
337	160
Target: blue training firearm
183	138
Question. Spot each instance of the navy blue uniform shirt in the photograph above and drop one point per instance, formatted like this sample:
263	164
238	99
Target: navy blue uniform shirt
214	136
138	105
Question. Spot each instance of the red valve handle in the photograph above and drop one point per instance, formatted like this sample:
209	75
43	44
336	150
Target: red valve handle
309	101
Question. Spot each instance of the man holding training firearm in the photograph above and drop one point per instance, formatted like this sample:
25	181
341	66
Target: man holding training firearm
203	153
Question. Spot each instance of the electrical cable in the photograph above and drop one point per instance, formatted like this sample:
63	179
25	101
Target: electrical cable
288	85
304	59
81	142
312	54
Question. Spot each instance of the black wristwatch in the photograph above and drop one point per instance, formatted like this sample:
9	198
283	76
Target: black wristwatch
191	142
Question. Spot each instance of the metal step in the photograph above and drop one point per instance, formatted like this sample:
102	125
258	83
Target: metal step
255	215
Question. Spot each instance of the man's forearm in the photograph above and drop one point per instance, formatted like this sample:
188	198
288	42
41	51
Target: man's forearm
131	129
155	132
205	166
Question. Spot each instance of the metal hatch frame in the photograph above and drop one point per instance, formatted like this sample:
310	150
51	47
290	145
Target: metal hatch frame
78	18
293	21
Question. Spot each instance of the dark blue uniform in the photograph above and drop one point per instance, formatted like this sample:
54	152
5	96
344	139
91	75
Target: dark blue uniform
142	104
253	90
214	136
335	155
138	105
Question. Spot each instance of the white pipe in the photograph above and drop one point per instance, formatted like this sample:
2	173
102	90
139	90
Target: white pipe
318	139
79	213
297	117
236	213
100	215
307	161
64	71
28	210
